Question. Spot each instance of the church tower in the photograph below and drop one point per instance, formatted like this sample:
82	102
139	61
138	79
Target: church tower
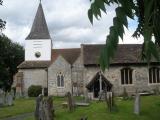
38	43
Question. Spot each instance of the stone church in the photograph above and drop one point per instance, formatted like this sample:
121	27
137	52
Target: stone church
76	70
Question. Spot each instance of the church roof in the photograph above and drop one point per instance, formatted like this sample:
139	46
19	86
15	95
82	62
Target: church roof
126	53
39	28
70	55
34	64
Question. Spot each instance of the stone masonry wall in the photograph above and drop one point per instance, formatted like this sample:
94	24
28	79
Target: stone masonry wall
77	77
140	79
60	65
33	77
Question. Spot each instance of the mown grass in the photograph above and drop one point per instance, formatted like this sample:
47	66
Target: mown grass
20	106
150	110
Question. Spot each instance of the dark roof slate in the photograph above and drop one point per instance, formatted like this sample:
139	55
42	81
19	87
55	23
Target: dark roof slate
70	55
126	53
39	28
34	64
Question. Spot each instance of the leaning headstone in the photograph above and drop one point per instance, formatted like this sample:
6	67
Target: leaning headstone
48	108
137	104
2	98
39	114
71	104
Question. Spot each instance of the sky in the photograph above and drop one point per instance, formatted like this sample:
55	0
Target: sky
67	21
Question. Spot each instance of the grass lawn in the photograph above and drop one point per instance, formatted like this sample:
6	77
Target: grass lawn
20	106
150	110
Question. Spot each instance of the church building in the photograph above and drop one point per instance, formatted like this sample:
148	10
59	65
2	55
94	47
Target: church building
76	70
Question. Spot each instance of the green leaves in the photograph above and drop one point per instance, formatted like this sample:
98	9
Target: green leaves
148	14
95	9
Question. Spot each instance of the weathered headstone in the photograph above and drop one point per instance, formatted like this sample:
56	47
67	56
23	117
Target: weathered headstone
9	99
2	98
71	104
39	108
44	108
137	104
48	108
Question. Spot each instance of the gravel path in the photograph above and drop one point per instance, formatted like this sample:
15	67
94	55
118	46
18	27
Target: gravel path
19	117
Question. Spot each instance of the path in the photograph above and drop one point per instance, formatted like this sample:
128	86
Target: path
19	117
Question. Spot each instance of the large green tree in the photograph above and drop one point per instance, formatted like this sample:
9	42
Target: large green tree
2	23
148	14
11	55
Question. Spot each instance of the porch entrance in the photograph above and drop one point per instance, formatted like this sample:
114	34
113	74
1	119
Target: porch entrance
99	84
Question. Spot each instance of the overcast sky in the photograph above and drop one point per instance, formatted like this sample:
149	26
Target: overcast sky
67	21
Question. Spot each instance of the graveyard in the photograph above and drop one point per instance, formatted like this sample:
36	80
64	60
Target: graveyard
97	110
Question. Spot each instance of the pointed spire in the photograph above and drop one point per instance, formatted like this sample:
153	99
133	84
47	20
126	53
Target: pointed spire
39	28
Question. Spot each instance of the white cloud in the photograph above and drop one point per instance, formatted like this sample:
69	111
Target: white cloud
67	21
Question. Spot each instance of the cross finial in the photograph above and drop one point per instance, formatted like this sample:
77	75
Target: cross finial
40	1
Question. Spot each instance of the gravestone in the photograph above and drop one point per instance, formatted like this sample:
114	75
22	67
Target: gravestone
9	99
2	98
39	114
137	104
48	108
71	104
44	108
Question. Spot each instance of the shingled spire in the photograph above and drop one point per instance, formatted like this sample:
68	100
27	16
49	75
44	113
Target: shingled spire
39	28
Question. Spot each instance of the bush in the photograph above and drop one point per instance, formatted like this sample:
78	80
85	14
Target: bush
34	90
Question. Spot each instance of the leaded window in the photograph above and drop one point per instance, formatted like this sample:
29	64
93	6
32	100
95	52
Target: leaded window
60	80
126	76
154	75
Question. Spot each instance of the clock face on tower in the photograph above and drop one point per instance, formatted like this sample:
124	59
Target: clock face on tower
37	54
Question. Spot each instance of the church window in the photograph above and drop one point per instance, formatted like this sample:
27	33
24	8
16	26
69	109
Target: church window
60	80
154	75
126	76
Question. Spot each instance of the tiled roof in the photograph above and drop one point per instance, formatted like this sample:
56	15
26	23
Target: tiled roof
39	28
126	53
70	55
34	64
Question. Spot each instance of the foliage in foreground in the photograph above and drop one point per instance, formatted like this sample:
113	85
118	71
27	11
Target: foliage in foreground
148	14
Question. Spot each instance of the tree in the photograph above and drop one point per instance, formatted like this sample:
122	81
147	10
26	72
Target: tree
2	23
11	55
148	14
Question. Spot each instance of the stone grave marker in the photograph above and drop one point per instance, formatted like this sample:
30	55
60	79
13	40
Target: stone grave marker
2	98
137	104
44	108
9	99
71	104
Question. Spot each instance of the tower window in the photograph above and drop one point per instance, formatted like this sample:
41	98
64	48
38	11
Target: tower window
154	75
60	80
126	76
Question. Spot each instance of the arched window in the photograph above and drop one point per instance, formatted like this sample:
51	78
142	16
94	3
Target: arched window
60	80
126	76
154	75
